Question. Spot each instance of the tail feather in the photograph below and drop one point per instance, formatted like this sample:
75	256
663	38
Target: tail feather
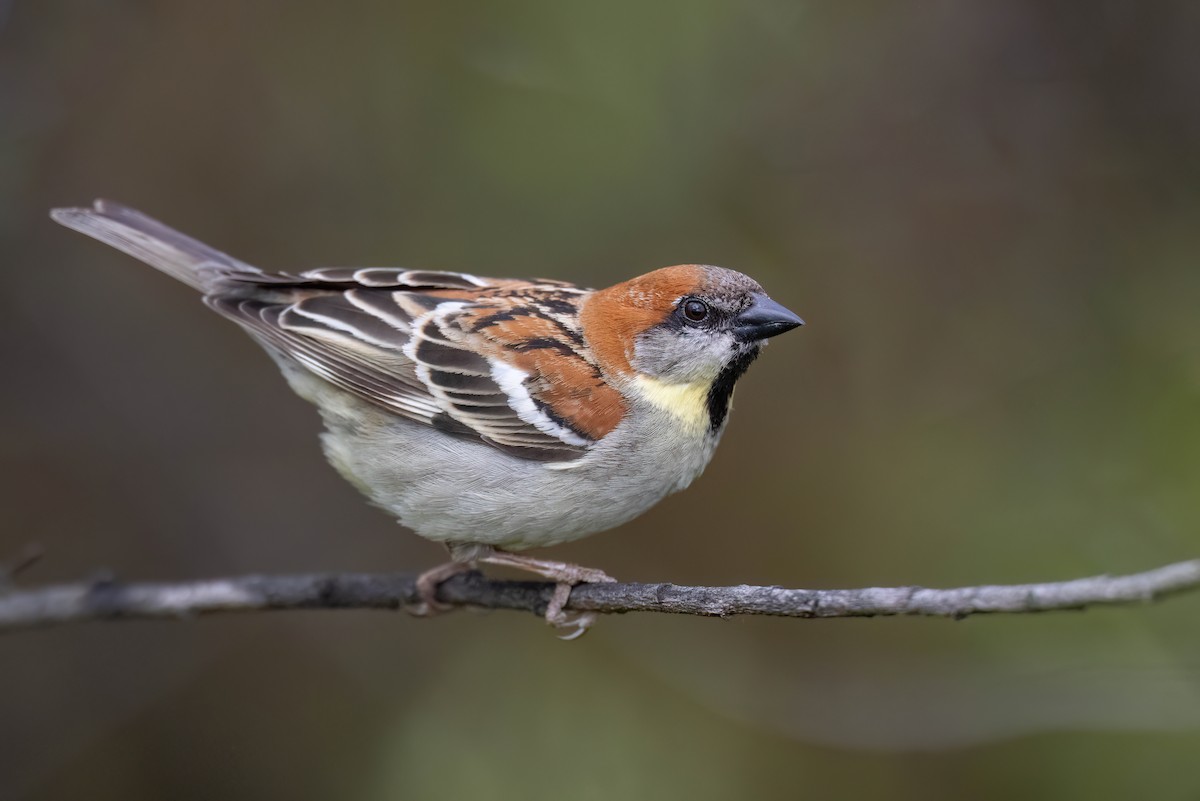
128	230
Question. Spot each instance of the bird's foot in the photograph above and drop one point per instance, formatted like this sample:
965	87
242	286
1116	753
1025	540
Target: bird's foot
427	584
566	576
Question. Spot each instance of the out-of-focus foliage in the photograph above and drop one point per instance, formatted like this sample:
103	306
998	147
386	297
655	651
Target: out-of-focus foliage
986	212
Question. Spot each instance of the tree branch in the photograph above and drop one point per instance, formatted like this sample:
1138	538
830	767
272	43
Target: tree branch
110	600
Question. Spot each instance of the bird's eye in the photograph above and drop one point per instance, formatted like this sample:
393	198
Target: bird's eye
695	310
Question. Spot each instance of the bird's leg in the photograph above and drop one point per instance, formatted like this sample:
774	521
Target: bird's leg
566	575
427	584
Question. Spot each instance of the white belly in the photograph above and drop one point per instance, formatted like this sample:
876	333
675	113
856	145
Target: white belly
457	490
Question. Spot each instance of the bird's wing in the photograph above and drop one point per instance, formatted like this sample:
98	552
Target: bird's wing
501	361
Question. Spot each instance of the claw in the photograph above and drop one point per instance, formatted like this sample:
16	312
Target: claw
427	584
567	576
575	624
564	574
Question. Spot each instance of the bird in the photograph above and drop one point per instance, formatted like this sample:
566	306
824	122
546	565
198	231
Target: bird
493	415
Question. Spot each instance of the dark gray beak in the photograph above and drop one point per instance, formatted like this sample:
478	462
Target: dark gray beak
765	318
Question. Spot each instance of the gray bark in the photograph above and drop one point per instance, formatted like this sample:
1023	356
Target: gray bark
111	600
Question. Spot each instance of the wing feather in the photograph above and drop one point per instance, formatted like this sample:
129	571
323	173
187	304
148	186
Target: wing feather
444	349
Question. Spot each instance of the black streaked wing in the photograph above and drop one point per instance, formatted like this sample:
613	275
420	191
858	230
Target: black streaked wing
374	381
358	335
374	278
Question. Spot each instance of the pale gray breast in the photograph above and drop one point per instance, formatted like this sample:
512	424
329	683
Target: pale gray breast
451	489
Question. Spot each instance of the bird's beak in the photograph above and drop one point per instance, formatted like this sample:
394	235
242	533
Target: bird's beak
764	318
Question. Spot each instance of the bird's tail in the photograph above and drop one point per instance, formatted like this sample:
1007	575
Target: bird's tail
128	230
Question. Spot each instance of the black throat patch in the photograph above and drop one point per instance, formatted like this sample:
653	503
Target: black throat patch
722	388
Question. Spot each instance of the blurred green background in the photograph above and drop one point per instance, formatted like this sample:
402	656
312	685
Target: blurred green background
987	212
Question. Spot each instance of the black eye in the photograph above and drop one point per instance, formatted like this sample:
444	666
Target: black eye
695	310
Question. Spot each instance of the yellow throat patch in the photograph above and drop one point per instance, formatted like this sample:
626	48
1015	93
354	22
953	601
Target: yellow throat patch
686	402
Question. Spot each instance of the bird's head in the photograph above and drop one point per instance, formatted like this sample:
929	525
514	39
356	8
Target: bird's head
680	337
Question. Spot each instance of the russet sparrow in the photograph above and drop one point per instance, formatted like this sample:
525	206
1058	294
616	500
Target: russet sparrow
490	414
